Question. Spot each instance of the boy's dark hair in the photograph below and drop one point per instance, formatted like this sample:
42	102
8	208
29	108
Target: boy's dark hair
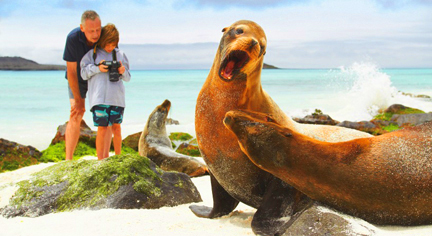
109	34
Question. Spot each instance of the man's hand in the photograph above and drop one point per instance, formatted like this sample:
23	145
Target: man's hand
77	103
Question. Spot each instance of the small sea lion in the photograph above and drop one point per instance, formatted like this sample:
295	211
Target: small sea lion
155	144
384	180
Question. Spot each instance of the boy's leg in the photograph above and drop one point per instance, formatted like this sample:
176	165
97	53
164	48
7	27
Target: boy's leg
100	141
103	137
116	118
117	141
107	141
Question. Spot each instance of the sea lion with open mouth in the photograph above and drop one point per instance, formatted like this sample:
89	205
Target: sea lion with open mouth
234	82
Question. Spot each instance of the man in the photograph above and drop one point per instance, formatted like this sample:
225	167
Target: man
79	41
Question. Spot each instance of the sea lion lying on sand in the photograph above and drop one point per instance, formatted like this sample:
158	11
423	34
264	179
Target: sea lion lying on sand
385	179
155	144
234	82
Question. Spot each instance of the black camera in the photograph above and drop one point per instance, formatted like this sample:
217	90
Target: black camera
113	66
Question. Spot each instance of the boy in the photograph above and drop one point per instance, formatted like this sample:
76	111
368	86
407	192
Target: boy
106	91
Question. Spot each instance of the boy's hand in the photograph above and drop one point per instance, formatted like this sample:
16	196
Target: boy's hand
103	68
121	69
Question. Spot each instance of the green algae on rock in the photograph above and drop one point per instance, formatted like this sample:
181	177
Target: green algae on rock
396	109
189	150
180	136
14	156
126	181
56	152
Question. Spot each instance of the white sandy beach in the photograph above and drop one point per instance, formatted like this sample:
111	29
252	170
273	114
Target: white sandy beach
164	221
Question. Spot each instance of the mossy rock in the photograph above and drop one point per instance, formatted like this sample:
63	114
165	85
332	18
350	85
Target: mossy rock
396	109
57	152
180	136
86	136
126	181
189	150
14	156
317	113
194	142
132	141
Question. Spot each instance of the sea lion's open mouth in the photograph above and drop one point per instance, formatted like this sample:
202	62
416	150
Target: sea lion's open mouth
232	64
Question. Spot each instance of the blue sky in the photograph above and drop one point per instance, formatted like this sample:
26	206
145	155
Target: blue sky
184	34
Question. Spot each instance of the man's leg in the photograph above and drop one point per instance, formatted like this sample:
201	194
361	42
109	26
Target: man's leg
117	140
72	131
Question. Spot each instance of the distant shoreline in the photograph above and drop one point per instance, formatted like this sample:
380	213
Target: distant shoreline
22	64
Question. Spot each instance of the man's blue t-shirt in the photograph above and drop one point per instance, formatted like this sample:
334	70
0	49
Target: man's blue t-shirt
76	47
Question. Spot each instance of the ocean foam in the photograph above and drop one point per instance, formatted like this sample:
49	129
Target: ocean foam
362	90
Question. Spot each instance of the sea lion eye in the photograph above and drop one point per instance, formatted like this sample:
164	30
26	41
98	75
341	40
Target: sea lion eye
239	31
269	119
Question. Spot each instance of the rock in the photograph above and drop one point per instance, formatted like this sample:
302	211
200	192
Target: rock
361	125
190	150
395	108
87	135
411	119
57	152
393	118
417	96
318	220
14	155
170	121
268	66
19	63
180	136
132	141
317	118
125	181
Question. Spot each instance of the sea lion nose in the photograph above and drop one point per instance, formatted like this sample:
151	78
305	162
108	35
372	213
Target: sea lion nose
228	121
166	104
252	44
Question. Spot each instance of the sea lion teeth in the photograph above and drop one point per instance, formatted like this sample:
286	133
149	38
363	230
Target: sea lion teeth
233	63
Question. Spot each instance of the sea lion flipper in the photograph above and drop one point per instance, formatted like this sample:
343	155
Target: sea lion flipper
223	203
278	208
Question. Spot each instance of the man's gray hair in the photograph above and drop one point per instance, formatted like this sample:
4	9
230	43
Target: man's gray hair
89	15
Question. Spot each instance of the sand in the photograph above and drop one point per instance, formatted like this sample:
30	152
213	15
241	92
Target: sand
164	221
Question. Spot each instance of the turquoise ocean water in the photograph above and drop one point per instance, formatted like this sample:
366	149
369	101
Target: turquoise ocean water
34	103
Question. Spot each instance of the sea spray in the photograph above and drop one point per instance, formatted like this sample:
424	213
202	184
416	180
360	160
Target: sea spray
362	90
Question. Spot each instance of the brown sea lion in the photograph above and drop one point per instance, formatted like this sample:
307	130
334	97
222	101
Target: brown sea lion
234	82
385	179
155	144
